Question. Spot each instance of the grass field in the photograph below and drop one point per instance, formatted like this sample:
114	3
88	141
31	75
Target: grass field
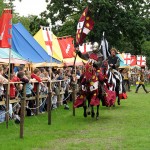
125	127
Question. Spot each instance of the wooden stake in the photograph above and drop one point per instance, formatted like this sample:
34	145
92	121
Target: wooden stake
22	112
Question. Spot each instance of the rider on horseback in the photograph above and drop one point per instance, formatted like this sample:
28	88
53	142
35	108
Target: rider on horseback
114	63
113	60
93	56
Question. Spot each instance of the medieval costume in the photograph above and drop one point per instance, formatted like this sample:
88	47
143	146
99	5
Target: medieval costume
113	60
141	82
95	56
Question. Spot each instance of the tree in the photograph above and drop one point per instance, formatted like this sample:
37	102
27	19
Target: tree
2	6
16	18
121	20
146	51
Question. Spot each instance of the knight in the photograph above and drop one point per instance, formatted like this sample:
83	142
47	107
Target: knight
95	57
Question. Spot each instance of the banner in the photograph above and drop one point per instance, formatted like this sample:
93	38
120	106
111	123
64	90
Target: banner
133	60
141	60
47	35
5	28
84	26
85	47
66	46
127	58
104	47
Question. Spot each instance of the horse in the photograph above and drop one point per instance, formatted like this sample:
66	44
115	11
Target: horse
89	91
114	80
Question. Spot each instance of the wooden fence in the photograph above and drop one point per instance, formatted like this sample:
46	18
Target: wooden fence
38	97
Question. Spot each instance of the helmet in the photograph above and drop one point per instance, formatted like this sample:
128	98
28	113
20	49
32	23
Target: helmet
95	46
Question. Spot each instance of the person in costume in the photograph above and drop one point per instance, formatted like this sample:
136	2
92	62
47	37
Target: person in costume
94	61
93	56
141	82
113	60
126	78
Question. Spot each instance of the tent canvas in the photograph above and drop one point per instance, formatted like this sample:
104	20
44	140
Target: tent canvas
25	45
15	58
122	64
56	50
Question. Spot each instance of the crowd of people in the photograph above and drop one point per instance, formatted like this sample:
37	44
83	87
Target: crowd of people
40	75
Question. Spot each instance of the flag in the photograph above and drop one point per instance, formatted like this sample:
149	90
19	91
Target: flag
85	47
5	26
104	47
133	60
141	60
66	46
127	58
47	35
84	26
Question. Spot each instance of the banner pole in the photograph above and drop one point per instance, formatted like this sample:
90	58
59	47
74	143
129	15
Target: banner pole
8	93
50	84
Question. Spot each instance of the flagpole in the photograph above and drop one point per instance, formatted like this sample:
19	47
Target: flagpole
80	38
50	84
50	29
8	88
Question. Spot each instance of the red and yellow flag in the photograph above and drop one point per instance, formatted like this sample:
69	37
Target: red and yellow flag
85	25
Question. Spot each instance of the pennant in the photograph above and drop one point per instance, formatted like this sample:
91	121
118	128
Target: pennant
127	58
104	47
141	60
66	46
84	26
85	47
47	35
133	60
5	26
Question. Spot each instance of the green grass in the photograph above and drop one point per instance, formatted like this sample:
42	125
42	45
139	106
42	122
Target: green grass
125	127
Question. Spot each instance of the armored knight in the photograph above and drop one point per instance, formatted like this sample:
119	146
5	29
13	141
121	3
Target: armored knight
93	56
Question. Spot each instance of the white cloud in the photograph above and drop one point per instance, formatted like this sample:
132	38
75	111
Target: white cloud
30	7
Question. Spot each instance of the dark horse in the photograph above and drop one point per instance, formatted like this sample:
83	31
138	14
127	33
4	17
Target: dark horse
89	91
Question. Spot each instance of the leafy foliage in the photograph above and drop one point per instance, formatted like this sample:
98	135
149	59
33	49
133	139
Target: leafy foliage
119	19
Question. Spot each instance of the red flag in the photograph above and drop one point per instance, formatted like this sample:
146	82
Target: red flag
133	60
5	26
85	25
66	46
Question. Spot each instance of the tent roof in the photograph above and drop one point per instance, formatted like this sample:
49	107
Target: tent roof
55	45
15	58
122	64
24	44
57	53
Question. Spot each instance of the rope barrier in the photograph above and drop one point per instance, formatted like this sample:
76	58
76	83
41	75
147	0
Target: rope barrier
67	97
36	107
9	109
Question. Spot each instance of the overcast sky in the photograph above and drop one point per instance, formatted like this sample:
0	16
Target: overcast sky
30	7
